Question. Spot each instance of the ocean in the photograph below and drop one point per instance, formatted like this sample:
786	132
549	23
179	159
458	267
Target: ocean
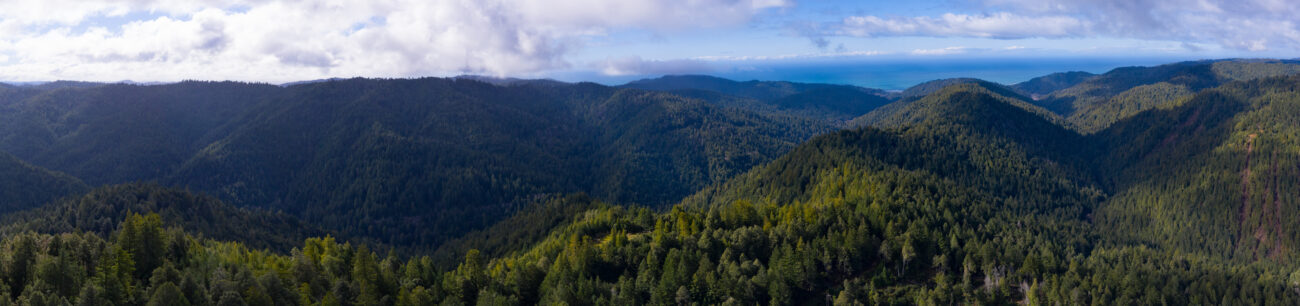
898	73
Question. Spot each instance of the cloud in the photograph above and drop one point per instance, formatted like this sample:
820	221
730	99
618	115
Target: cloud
999	25
810	30
1253	25
942	51
635	65
285	40
838	53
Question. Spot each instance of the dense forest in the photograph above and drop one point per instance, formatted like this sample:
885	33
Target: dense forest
410	162
1142	185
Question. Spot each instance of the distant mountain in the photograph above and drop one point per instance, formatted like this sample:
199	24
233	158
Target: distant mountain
66	85
751	89
1043	85
976	200
930	87
967	116
913	110
1099	101
24	186
120	133
834	103
467	152
500	81
310	82
1145	185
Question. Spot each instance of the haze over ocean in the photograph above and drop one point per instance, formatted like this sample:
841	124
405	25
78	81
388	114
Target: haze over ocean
895	73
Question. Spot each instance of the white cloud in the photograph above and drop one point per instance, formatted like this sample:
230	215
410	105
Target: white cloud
286	40
789	56
635	65
1253	25
999	25
941	51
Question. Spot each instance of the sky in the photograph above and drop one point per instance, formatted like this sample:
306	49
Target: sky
280	41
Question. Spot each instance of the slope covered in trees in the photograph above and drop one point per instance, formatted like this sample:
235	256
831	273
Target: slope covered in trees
1047	84
983	202
909	111
1099	101
969	194
760	90
102	209
25	186
834	103
931	86
417	161
408	161
1210	175
107	134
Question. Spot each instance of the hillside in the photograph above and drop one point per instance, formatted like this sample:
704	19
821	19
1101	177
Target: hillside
107	134
1208	175
759	90
929	87
25	186
983	202
101	210
1099	101
834	103
1043	85
1170	187
467	153
936	104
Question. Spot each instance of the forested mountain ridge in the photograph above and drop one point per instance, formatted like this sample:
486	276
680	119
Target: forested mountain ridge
1231	150
467	153
972	193
1049	83
1101	100
116	133
101	210
835	103
26	186
935	105
760	90
929	87
944	211
441	155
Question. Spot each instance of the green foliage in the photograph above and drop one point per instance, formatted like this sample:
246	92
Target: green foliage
1095	117
118	133
758	90
409	162
101	210
1208	176
416	162
1097	102
831	103
979	201
518	232
970	194
1041	86
835	103
930	87
25	186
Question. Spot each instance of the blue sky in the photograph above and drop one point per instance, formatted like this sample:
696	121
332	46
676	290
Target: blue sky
284	40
